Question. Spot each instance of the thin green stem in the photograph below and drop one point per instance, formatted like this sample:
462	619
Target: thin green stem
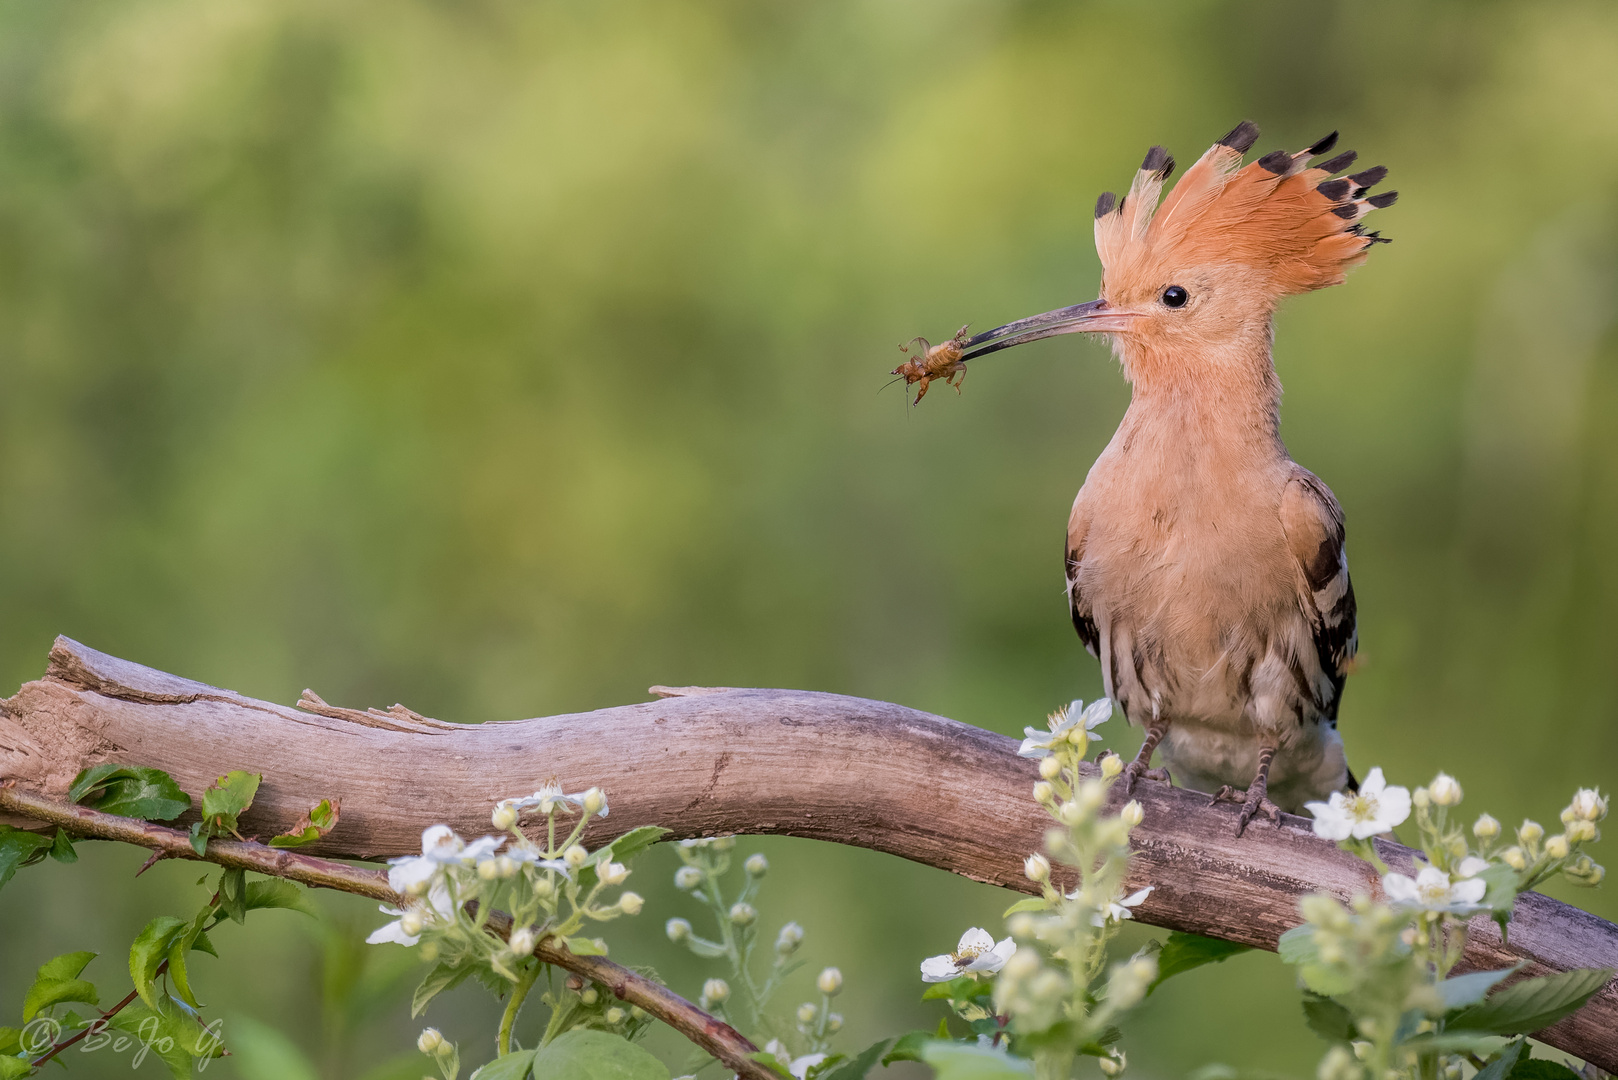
509	1018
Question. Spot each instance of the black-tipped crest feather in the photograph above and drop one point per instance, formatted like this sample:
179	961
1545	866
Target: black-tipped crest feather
1276	161
1241	137
1338	163
1105	204
1323	145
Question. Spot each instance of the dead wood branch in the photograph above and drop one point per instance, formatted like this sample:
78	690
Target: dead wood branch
848	770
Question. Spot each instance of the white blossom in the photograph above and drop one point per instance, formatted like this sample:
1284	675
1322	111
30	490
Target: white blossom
438	906
1375	808
1038	743
550	798
1432	890
1118	910
799	1067
1471	866
976	951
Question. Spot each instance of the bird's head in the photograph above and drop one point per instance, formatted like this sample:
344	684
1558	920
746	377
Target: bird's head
1205	270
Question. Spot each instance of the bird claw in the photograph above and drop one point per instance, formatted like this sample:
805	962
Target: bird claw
1137	770
1253	804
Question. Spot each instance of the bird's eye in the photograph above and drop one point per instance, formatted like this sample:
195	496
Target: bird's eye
1174	296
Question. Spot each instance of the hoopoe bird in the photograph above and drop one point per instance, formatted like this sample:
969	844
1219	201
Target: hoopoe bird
1205	568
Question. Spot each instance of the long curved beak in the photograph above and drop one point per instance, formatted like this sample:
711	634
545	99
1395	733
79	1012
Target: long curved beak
1095	317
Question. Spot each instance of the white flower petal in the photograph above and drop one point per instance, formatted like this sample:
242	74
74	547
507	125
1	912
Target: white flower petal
1099	712
1134	899
482	848
975	940
800	1066
1373	782
392	932
1472	866
939	969
1469	891
1399	887
411	870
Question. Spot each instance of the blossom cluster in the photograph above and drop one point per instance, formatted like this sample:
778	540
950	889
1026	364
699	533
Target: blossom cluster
549	888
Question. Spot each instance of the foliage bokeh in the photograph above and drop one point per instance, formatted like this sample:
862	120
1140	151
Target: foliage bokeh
504	359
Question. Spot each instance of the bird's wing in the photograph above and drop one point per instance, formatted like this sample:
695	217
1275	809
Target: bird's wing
1078	527
1313	522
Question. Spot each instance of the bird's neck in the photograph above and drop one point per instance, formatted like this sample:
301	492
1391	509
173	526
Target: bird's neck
1225	394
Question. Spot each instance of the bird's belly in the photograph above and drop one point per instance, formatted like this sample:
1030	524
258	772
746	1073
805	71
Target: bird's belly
1309	765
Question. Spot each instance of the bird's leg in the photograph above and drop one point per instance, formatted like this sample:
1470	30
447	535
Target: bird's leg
1256	798
1141	765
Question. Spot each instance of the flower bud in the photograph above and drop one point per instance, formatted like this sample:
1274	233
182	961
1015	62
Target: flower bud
1050	768
615	1015
1581	866
807	1012
1421	798
1111	766
788	940
630	903
1071	813
1338	1064
1588	805
715	991
1022	926
429	1041
544	888
1022	964
590	995
1037	868
1595	875
429	951
522	941
595	801
743	914
505	866
1043	792
614	873
1530	832
1079	736
575	856
1582	831
677	929
418	888
1514	858
687	878
1114	1063
488	870
1485	827
411	922
1444	790
830	981
834	1022
1056	841
1090	795
504	816
724	843
757	865
1557	846
1132	813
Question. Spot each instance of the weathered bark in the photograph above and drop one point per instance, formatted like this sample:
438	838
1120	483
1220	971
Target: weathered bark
836	768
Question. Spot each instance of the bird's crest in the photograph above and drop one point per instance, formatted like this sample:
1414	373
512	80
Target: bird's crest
1292	223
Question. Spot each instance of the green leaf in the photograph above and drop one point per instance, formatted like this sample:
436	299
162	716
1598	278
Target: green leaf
1500	1066
148	794
1325	980
1540	1069
704	948
170	1032
1464	990
1531	1004
233	894
1501	893
260	1052
514	1066
19	847
635	841
320	820
62	847
770	1062
148	953
279	893
1297	946
199	837
909	1046
960	988
227	797
856	1067
1027	903
968	1061
11	1067
586	1054
1184	952
10	1040
1327	1019
57	981
583	946
441	978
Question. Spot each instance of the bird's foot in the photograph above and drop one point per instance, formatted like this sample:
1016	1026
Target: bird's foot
1137	770
1254	800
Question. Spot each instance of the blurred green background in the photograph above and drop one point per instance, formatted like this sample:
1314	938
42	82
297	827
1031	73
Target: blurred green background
506	358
